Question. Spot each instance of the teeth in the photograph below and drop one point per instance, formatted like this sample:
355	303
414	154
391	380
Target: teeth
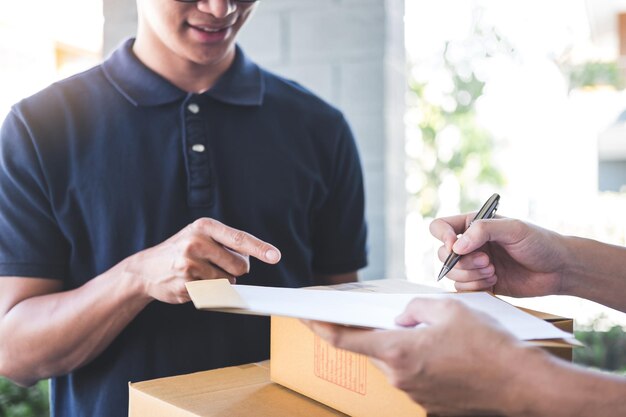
210	30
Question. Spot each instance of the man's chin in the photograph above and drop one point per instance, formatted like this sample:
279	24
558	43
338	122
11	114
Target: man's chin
213	57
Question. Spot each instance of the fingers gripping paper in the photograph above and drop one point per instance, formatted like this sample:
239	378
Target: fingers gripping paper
372	310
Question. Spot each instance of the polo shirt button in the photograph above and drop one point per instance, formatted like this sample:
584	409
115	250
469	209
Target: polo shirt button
198	147
193	107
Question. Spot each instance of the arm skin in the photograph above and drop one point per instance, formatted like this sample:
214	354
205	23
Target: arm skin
45	331
464	363
597	272
522	260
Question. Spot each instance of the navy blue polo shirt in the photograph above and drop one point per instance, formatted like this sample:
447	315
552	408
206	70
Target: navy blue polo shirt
115	160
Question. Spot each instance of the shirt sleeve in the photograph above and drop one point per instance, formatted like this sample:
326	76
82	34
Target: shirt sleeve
339	231
31	242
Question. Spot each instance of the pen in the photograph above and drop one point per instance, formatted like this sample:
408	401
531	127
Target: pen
487	211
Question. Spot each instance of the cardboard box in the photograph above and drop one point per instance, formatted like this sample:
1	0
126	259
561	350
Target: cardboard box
347	381
557	348
238	391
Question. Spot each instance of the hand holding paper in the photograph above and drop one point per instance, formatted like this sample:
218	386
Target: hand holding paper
370	310
453	366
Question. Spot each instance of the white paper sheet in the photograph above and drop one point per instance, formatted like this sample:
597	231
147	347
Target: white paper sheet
365	309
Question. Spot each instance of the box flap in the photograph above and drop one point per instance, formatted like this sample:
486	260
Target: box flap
214	294
543	315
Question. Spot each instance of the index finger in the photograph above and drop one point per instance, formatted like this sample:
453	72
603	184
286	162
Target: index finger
239	241
446	229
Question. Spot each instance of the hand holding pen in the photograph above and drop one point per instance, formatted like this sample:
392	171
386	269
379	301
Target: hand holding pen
487	211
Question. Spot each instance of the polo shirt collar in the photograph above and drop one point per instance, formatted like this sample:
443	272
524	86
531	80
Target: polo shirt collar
242	84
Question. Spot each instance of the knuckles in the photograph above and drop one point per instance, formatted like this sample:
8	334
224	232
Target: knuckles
186	269
190	246
396	354
238	237
454	308
197	243
203	223
241	268
334	337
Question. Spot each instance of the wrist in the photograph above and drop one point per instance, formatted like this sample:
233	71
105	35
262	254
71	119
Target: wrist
527	364
585	262
556	388
131	279
573	268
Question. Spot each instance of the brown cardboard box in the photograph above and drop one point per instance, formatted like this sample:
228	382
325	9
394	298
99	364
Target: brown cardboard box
238	391
348	381
303	362
557	348
343	380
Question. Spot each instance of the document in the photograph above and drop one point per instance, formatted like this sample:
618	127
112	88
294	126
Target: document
363	309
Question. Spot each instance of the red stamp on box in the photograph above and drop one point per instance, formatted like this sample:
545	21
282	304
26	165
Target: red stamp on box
340	367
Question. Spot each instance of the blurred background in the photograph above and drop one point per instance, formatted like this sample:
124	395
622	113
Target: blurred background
450	102
522	97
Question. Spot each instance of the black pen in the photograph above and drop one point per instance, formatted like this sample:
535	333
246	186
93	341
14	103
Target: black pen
487	211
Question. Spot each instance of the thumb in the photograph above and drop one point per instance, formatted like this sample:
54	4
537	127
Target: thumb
427	310
500	230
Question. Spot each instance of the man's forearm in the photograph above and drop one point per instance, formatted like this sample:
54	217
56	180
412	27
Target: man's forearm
596	271
55	333
550	387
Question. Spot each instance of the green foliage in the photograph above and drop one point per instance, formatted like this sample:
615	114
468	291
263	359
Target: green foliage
604	350
593	74
453	143
16	401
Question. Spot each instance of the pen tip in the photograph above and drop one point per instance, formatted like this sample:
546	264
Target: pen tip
443	273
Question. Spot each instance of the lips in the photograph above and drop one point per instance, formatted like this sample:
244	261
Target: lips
209	29
210	34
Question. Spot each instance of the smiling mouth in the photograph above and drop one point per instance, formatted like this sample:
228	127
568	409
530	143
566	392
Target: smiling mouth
210	30
216	27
